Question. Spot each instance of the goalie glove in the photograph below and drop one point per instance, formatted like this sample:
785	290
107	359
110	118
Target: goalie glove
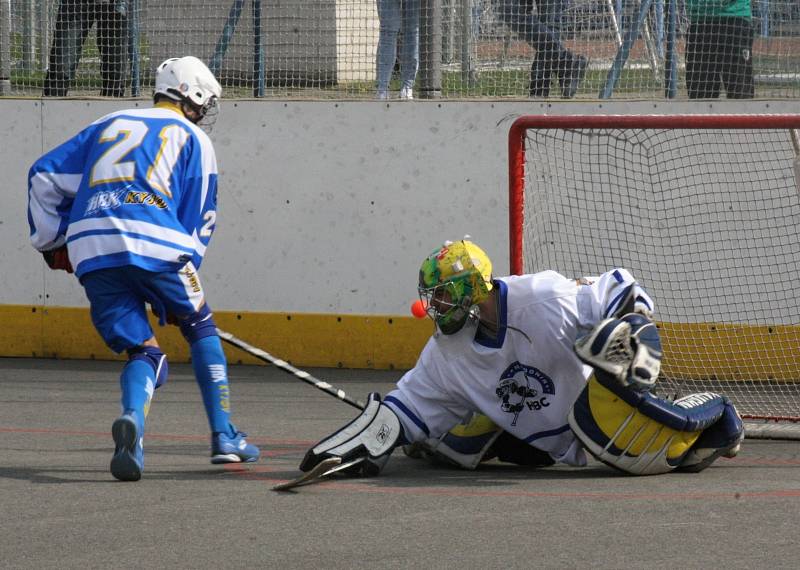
628	348
371	437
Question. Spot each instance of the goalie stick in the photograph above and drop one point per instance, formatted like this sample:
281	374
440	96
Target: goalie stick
323	469
286	367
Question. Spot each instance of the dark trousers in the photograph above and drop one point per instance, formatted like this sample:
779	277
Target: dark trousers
542	30
719	52
73	23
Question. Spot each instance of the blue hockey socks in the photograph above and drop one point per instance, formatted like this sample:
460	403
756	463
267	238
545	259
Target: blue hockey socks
211	372
137	383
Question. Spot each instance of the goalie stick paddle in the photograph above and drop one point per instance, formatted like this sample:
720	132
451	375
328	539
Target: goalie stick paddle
286	367
323	469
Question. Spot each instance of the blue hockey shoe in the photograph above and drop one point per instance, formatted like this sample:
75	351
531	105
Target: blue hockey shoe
232	449
128	461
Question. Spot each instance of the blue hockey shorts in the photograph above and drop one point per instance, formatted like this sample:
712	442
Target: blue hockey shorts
118	298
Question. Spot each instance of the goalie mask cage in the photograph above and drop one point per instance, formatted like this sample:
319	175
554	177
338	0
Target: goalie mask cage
704	210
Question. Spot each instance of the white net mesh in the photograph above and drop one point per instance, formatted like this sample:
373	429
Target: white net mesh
706	219
467	48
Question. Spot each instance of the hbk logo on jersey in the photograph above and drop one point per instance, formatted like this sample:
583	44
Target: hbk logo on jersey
106	200
516	392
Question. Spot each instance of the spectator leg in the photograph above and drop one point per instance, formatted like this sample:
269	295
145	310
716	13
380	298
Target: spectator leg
409	50
737	63
73	22
111	41
389	14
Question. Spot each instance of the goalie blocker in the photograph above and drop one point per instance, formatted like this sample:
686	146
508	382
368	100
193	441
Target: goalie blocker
371	437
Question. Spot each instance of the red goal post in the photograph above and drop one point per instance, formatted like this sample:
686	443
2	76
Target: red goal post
705	211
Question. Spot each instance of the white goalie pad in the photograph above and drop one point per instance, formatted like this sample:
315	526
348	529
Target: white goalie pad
372	435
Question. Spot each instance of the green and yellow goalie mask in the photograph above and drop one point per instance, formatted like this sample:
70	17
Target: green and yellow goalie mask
452	281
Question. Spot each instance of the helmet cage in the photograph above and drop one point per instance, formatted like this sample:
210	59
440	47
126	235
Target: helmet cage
208	114
447	305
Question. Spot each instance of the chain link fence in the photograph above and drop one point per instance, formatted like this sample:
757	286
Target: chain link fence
363	49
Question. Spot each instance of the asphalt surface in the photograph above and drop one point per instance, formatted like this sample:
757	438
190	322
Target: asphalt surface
60	507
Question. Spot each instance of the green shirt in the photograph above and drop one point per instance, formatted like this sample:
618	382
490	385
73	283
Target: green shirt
727	8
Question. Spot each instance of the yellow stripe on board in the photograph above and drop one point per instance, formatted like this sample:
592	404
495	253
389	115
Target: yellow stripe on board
731	352
691	351
304	339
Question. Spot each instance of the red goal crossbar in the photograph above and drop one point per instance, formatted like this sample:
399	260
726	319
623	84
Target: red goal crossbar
518	130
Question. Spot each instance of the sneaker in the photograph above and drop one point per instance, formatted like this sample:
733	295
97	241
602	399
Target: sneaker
227	449
128	461
407	94
574	78
382	94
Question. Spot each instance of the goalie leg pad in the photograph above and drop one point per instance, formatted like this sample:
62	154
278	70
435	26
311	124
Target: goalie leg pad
637	432
372	436
465	446
723	439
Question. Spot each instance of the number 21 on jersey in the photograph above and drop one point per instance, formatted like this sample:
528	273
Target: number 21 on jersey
127	135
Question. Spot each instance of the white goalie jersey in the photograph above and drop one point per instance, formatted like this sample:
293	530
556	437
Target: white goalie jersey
528	377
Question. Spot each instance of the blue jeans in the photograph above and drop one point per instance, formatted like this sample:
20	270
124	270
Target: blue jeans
398	16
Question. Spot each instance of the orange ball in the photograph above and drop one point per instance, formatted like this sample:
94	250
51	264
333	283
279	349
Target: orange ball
419	309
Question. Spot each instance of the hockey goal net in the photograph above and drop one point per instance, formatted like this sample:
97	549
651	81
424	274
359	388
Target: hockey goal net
705	212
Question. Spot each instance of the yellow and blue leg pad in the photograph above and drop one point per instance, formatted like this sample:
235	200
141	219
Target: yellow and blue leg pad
638	432
465	445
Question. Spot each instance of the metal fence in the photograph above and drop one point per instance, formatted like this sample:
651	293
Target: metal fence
333	49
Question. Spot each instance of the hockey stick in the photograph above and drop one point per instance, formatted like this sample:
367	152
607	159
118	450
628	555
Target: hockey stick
286	367
318	473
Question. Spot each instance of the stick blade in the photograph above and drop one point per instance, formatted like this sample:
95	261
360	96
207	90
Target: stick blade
319	473
309	476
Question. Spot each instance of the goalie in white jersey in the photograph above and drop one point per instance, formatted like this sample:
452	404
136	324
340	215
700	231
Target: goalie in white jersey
535	370
130	202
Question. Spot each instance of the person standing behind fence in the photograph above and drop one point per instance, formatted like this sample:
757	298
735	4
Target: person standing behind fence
719	49
73	23
396	17
541	28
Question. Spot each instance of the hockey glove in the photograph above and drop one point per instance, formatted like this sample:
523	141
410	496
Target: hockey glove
58	259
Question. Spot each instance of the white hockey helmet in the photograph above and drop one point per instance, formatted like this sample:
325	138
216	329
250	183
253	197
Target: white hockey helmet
189	79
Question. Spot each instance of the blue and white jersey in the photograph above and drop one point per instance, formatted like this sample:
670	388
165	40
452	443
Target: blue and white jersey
136	187
527	378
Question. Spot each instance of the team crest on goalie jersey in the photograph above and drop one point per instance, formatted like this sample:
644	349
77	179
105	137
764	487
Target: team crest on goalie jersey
522	386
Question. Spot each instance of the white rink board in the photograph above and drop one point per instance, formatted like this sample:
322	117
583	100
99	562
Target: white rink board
324	207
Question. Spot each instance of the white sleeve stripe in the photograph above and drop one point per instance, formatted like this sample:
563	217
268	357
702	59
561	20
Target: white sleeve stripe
66	185
46	193
198	245
133	227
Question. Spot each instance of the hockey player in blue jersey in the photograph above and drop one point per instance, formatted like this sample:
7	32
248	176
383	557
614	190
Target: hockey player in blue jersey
130	204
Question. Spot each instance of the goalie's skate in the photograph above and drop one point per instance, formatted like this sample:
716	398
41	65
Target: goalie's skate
318	473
